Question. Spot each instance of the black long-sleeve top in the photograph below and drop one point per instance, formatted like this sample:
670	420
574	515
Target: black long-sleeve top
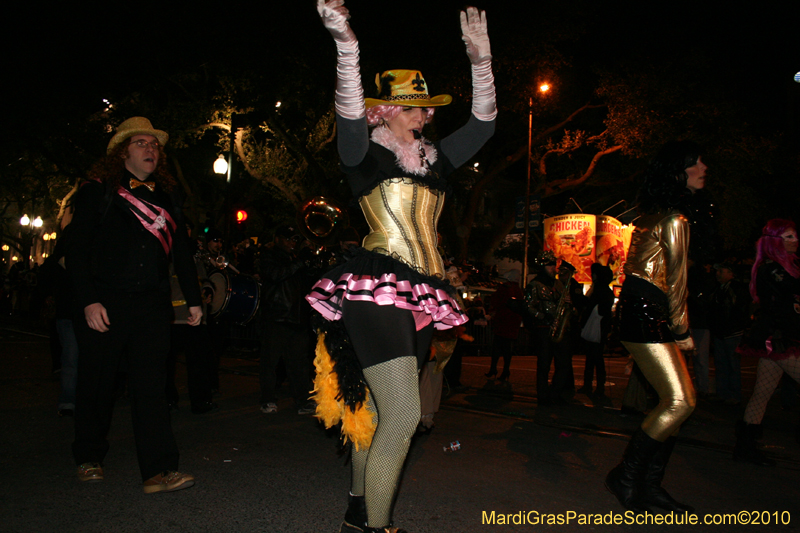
111	251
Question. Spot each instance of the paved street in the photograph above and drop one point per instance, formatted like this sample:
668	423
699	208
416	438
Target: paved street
284	473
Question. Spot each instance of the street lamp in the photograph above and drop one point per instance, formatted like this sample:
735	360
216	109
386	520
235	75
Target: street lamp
544	88
29	237
221	165
26	221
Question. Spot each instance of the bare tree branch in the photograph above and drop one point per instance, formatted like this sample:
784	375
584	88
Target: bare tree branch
557	186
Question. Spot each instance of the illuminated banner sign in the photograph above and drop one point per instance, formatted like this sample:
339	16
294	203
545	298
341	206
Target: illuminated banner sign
571	238
613	241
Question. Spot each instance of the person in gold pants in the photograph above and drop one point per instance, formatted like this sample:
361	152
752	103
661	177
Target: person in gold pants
654	324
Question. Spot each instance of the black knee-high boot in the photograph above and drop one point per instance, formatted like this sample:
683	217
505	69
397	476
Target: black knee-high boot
493	367
651	492
355	519
627	477
746	448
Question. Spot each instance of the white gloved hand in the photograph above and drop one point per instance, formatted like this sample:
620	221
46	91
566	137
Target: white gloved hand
349	97
475	35
334	17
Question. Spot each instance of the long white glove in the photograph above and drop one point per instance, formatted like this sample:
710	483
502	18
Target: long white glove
349	92
476	37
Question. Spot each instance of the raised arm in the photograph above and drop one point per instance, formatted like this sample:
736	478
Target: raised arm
353	138
465	142
474	33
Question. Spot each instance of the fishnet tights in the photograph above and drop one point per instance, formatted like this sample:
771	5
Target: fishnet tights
394	397
767	378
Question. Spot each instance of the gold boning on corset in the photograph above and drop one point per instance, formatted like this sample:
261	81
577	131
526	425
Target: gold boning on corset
402	216
665	368
659	255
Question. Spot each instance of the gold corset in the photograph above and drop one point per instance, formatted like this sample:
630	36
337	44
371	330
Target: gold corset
402	216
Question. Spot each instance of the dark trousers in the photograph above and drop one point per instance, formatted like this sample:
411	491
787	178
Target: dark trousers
294	344
547	353
594	360
195	343
501	347
137	342
218	329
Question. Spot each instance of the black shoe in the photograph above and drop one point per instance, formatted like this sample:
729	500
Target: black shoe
625	479
355	519
66	412
746	449
422	429
491	374
203	407
651	493
504	376
584	390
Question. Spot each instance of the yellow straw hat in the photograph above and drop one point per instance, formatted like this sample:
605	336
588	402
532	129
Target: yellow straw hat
406	88
136	126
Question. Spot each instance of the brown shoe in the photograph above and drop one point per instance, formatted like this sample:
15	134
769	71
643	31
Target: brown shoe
168	481
90	472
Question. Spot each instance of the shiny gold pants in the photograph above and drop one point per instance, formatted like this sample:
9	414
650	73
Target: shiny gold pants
665	368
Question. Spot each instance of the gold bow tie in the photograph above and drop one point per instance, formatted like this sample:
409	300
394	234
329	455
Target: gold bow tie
149	184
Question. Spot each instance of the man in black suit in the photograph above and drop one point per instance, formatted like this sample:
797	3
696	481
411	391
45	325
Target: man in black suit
125	233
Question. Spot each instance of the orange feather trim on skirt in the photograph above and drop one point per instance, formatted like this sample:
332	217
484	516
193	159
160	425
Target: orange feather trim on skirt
357	427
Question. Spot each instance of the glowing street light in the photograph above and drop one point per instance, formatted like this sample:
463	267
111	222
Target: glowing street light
37	222
221	165
543	88
25	220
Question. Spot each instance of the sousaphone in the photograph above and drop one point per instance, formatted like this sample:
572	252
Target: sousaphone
321	219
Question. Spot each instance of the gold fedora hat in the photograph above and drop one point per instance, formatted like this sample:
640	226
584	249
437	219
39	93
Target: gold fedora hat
136	126
406	88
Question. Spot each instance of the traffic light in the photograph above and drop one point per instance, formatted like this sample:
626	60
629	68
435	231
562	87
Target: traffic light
241	216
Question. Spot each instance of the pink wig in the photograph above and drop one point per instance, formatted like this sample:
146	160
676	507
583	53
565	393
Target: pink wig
388	112
770	246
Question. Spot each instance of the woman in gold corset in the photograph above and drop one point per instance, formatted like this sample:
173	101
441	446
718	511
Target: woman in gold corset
383	304
654	324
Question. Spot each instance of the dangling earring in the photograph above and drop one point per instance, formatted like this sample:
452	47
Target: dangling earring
384	123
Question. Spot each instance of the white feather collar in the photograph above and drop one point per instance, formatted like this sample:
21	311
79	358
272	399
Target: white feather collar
406	154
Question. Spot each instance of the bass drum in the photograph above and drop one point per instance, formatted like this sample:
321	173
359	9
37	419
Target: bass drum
236	296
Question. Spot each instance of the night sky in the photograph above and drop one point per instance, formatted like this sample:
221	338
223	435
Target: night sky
70	55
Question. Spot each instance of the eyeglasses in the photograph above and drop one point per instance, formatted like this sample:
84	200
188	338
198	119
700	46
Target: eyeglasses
141	143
